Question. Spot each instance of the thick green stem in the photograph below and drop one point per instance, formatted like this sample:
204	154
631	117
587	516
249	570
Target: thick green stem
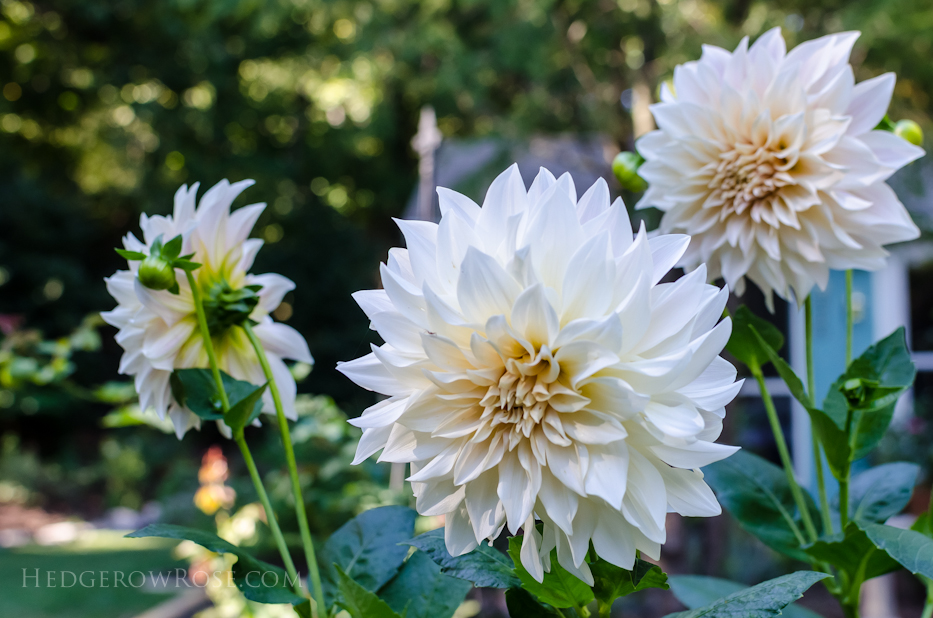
811	393
300	512
208	342
849	320
241	442
270	514
850	610
844	481
785	455
928	607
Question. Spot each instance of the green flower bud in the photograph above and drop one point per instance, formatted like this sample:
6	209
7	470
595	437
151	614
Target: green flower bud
156	273
909	130
625	167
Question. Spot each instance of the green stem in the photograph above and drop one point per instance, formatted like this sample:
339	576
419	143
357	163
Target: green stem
928	607
785	455
844	481
850	610
240	440
208	342
292	470
849	320
270	514
811	393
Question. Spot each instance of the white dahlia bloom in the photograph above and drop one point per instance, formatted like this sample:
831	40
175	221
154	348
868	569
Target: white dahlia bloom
770	161
159	330
536	369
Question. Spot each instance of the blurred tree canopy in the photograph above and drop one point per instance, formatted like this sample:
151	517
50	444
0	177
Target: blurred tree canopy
109	105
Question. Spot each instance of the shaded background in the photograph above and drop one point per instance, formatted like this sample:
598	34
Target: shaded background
107	107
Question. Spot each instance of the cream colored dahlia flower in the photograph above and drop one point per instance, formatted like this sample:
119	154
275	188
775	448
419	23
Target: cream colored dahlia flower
770	161
159	330
537	370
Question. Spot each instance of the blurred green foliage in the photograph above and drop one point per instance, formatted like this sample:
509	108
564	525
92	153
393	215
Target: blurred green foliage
107	106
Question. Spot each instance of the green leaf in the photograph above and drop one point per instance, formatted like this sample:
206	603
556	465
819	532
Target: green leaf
369	548
185	264
833	438
611	582
131	255
421	590
485	566
911	549
882	492
358	601
245	411
924	525
521	604
696	591
870	388
853	553
250	575
756	493
559	589
196	390
766	599
172	248
303	609
744	344
156	247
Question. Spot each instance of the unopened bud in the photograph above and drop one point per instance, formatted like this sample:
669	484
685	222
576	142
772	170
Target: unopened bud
625	167
156	273
910	131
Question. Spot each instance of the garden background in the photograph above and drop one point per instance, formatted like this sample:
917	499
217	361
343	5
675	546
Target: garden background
108	106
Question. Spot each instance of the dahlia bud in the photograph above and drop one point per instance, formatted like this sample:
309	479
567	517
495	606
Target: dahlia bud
910	131
156	273
625	167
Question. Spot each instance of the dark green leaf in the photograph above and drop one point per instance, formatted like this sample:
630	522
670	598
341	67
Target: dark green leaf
172	248
744	345
521	604
611	582
245	411
834	440
853	553
367	548
358	601
882	373
924	525
420	590
756	492
766	599
559	589
131	255
882	492
249	574
696	591
794	384
911	549
196	390
485	566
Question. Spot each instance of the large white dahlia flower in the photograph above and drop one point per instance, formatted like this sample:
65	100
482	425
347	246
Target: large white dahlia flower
159	330
537	370
770	161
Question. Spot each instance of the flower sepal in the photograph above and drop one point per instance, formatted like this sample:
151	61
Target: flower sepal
226	307
157	270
